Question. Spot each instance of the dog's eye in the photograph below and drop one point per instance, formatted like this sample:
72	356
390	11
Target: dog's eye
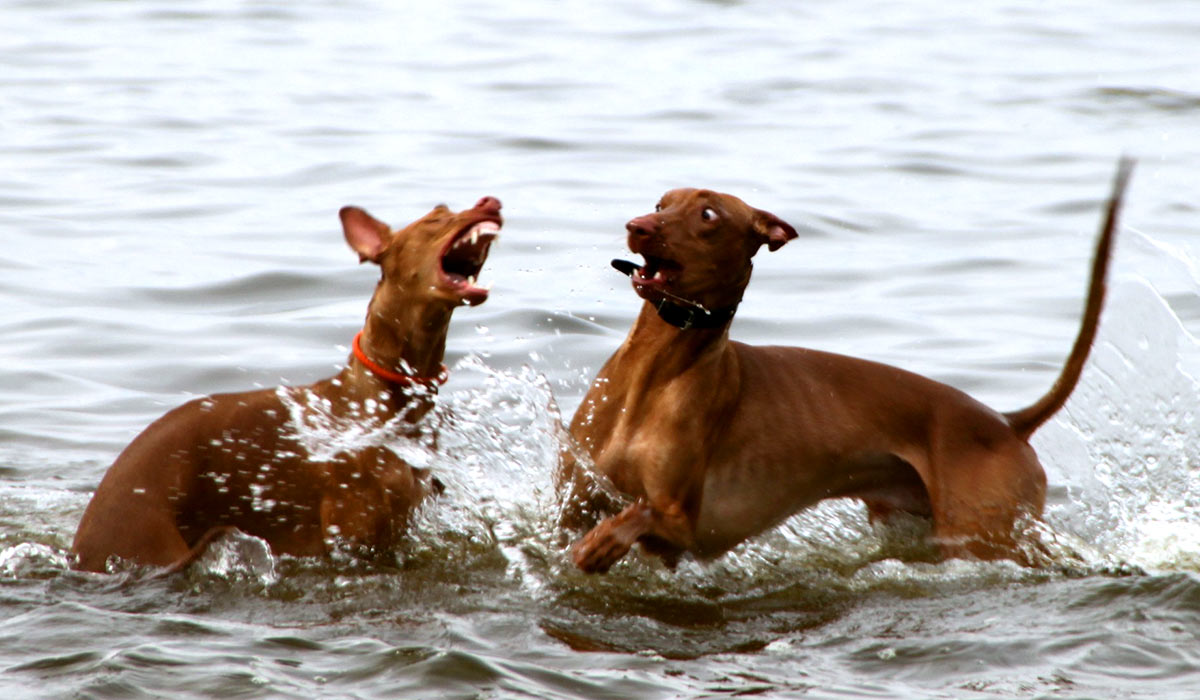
658	207
709	214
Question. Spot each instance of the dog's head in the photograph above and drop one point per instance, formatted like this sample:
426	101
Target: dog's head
697	245
437	257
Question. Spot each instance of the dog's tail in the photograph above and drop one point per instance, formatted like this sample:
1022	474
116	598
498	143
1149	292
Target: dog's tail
1025	421
197	550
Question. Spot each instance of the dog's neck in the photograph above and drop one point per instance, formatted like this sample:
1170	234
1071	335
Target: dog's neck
405	377
407	339
639	377
691	315
661	341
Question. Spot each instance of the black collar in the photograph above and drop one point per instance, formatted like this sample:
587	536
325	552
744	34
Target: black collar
685	317
679	312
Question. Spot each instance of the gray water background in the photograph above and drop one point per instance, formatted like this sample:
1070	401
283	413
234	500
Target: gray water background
170	174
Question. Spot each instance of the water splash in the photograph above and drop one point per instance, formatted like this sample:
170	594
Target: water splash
496	449
1124	448
32	560
322	435
238	556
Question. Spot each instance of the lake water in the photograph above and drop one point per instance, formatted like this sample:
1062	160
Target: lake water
170	174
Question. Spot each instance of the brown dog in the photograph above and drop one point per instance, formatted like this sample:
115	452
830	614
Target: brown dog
251	461
717	441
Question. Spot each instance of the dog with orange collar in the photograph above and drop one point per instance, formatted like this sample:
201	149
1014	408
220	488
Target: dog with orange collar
270	462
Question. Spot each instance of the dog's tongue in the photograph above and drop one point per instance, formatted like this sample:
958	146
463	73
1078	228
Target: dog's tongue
625	267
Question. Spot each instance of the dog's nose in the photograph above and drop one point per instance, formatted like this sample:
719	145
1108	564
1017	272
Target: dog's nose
642	225
488	204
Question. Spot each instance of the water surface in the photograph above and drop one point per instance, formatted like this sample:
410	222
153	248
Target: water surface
170	175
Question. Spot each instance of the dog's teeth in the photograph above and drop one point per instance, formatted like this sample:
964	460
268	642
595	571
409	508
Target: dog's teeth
474	235
471	280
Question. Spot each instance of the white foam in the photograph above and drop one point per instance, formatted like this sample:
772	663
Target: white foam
241	556
1125	445
30	559
323	436
497	448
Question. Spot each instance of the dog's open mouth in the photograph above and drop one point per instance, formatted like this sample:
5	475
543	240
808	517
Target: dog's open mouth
658	270
655	273
652	280
463	259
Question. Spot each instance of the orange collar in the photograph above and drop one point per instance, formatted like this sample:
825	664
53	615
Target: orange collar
396	377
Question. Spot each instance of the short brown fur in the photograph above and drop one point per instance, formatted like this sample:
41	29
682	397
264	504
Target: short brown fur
233	461
717	441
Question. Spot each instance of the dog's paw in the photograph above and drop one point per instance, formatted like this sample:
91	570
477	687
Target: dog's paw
600	549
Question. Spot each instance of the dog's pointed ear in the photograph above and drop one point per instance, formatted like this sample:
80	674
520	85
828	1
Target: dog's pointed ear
774	230
366	235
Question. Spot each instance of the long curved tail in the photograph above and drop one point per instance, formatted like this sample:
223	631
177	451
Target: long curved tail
1029	419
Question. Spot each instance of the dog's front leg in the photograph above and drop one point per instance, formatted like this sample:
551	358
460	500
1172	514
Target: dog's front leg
669	528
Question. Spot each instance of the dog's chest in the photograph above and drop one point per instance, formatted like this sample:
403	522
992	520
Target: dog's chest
639	437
